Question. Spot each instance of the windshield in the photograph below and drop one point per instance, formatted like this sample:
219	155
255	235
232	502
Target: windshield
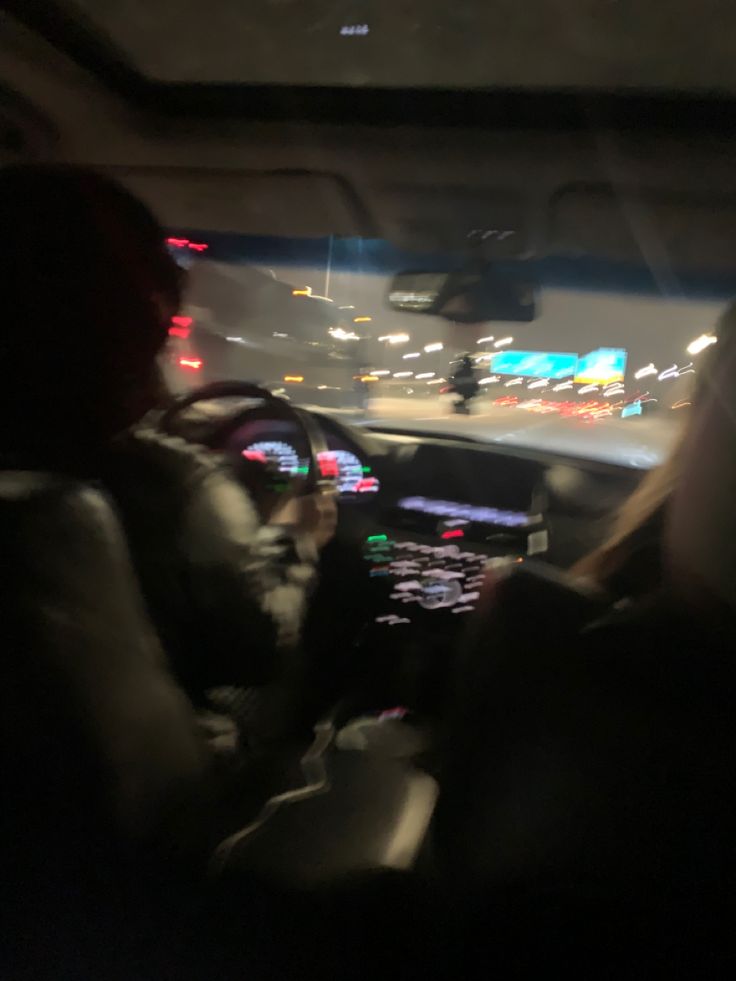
603	371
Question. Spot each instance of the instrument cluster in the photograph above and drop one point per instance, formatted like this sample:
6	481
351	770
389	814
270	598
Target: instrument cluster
352	475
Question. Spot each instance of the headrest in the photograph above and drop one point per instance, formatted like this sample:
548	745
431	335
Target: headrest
700	537
18	486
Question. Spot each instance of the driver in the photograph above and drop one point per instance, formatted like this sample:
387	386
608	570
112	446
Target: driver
89	289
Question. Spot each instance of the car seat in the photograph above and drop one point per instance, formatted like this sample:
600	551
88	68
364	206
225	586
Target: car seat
103	771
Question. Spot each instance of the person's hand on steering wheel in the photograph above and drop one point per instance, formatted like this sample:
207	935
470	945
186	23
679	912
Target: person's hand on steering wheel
308	509
312	514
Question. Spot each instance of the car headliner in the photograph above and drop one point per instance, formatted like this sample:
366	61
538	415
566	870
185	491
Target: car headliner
500	43
543	64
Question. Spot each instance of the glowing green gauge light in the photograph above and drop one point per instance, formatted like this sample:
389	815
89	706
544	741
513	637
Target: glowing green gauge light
377	538
367	469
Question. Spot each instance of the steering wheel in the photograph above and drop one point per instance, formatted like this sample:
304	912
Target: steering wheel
215	433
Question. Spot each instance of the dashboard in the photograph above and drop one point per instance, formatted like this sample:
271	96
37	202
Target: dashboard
428	515
422	518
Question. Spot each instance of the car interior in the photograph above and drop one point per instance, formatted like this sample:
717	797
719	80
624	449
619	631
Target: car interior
575	190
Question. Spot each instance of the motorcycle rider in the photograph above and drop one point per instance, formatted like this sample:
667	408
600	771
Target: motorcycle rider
464	383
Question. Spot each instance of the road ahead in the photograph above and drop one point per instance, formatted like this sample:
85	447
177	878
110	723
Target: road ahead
635	442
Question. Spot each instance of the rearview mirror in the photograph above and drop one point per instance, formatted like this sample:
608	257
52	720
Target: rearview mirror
466	296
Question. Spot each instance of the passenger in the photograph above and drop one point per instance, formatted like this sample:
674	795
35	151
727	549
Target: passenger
589	756
629	563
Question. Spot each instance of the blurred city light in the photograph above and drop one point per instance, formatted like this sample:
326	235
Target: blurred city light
403	374
615	389
414	354
504	341
307	291
701	343
645	371
343	335
484	340
180	327
395	338
185	243
437	346
193	364
426	374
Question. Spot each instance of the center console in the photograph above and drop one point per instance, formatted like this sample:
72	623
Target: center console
426	565
434	553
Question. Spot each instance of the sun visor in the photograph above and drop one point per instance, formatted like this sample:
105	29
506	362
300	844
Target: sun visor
281	203
662	231
443	218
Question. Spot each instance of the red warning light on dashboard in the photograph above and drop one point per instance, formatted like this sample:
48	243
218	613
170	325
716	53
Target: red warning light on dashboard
191	364
328	466
366	484
258	455
453	533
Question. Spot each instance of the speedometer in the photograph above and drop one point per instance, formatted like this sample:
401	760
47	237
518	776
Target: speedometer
274	451
351	476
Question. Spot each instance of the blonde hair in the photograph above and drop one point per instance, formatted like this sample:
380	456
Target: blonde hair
638	523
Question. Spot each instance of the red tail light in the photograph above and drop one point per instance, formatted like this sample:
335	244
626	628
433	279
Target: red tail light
192	364
180	327
185	243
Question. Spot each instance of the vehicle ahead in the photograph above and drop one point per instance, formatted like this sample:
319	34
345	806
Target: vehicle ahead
617	207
